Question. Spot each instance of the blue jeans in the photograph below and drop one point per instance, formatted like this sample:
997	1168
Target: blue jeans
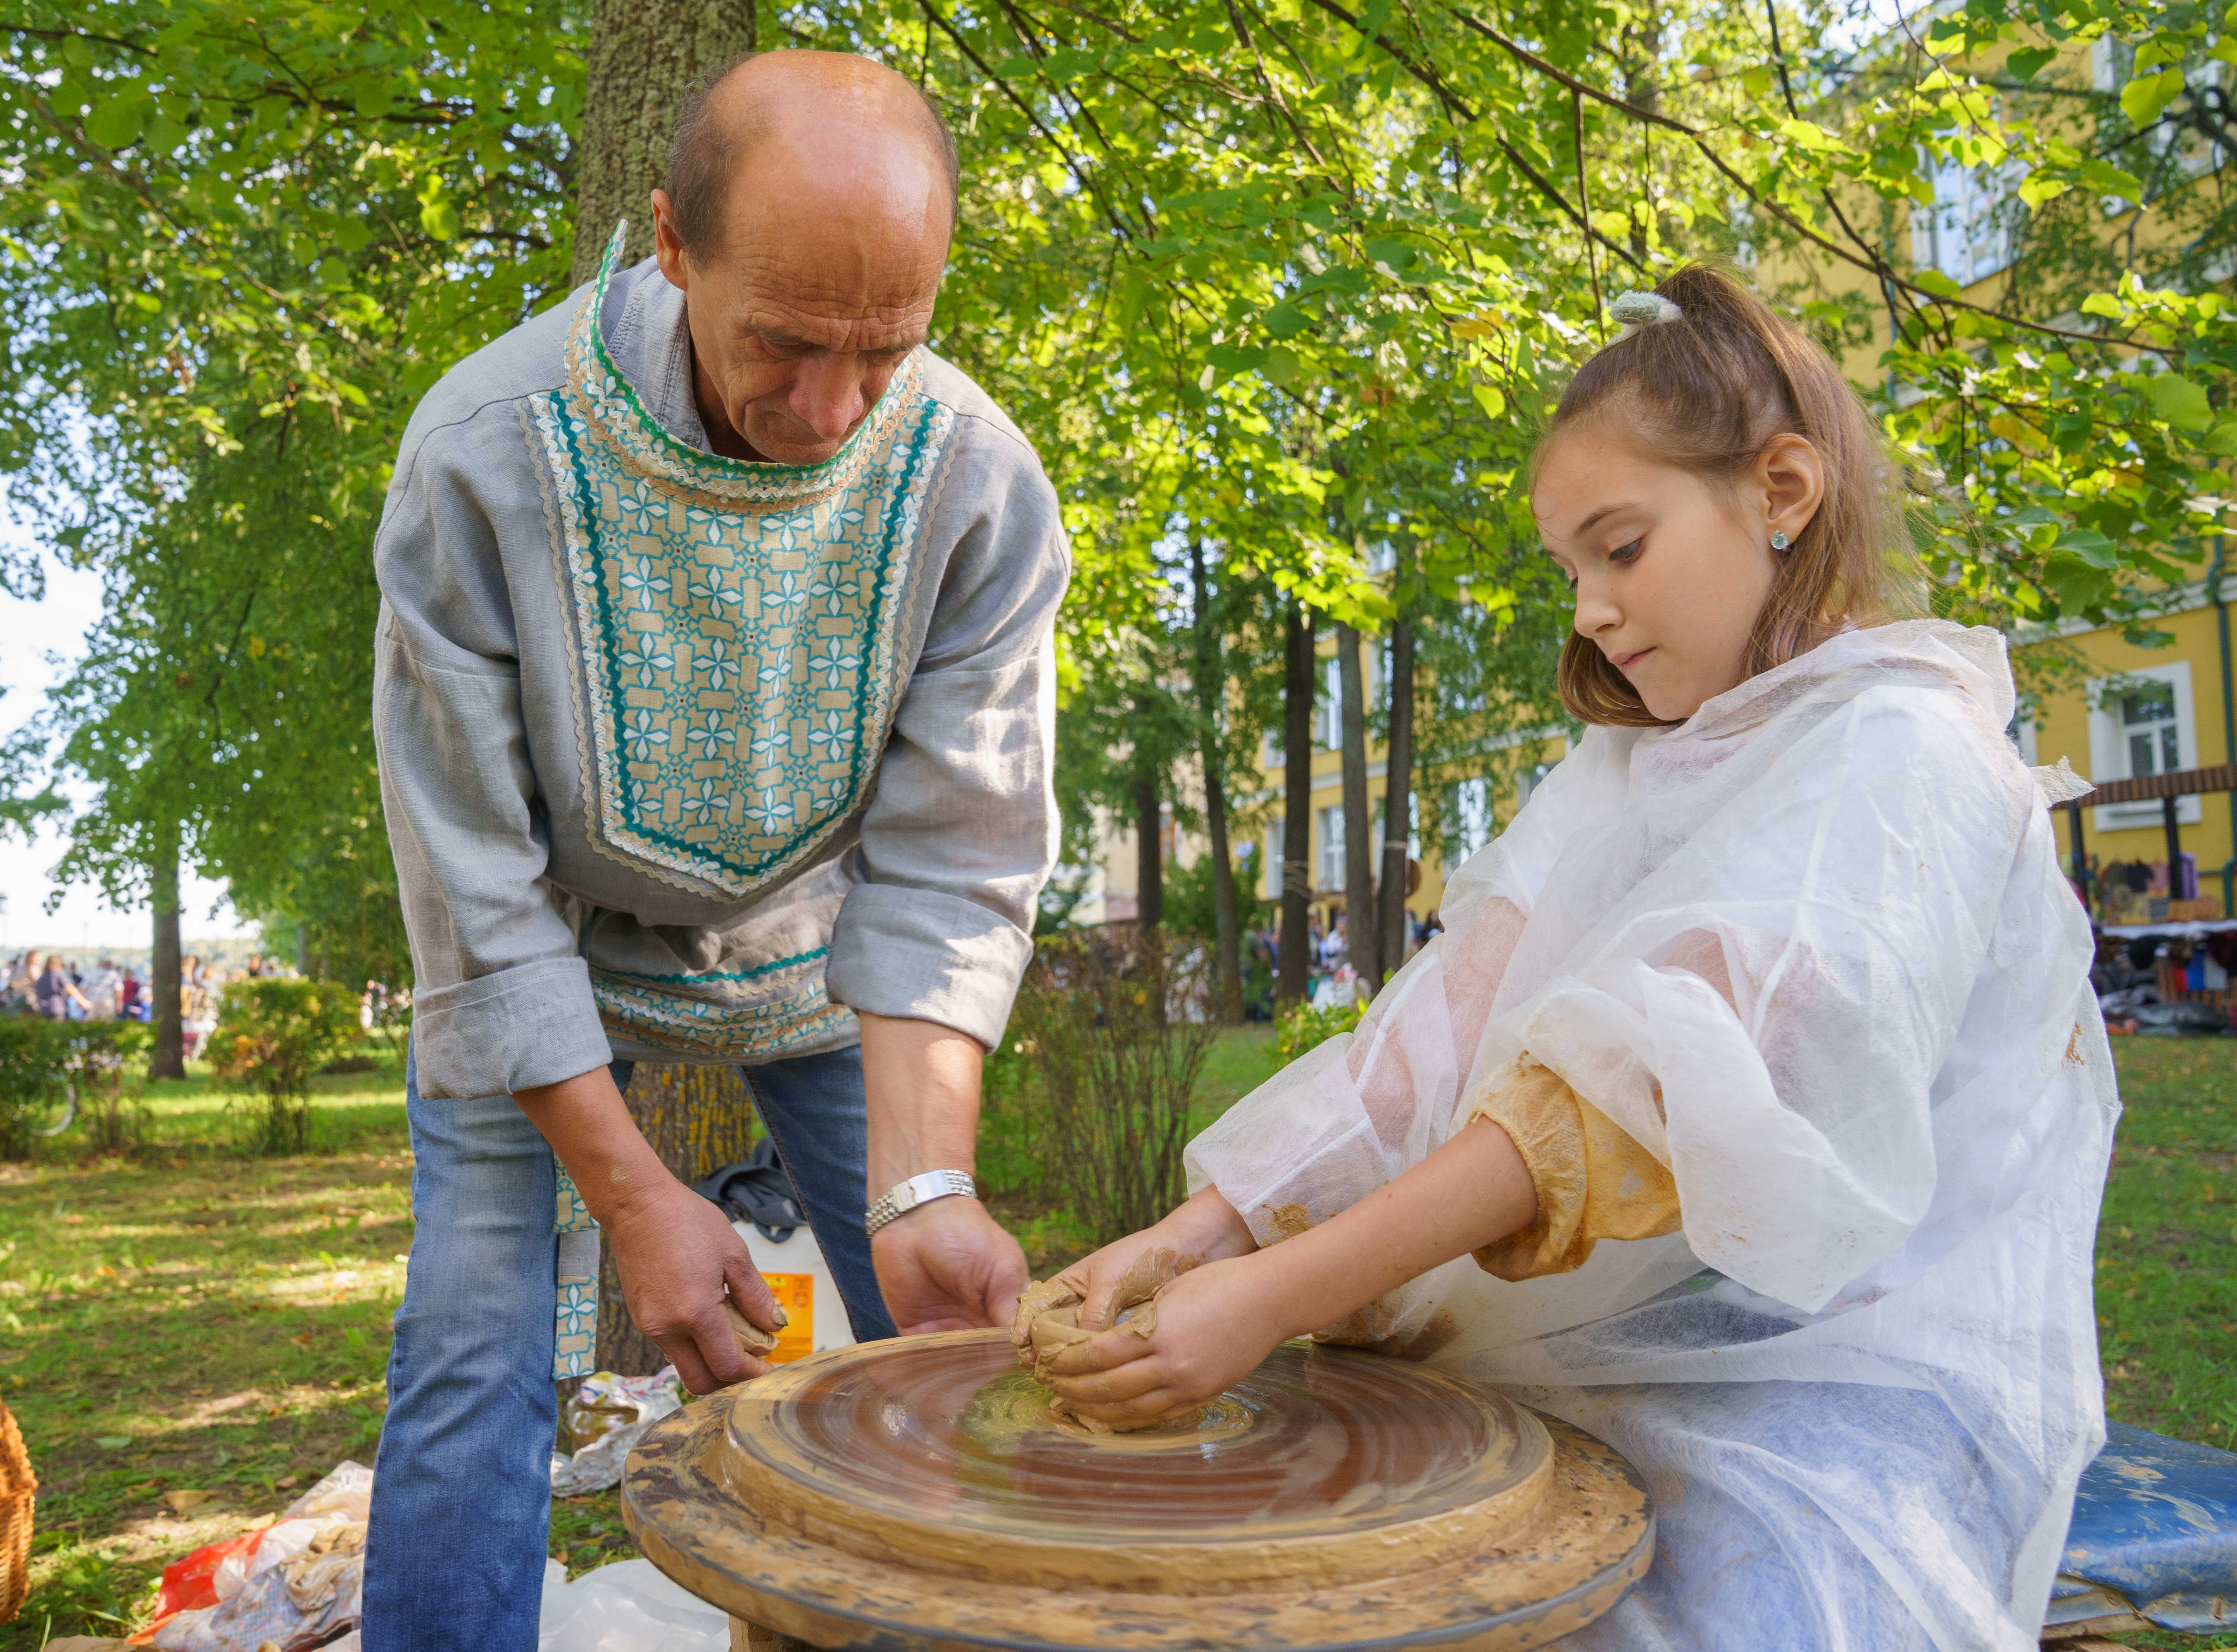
462	1490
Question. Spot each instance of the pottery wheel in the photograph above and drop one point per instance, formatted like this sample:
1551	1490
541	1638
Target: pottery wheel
917	1494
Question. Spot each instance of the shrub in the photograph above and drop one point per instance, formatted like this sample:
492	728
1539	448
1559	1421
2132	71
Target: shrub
1305	1029
47	1066
271	1037
1112	1023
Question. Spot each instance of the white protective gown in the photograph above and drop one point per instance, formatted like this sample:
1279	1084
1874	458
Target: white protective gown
1812	949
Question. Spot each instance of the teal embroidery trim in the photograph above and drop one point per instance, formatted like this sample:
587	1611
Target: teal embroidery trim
738	658
679	1021
575	1325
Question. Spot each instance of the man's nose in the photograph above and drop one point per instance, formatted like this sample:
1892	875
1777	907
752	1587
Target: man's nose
826	394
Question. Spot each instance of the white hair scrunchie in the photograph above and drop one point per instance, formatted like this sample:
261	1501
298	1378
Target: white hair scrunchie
1637	310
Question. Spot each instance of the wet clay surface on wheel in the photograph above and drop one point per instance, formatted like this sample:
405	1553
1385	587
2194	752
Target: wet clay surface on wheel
917	1495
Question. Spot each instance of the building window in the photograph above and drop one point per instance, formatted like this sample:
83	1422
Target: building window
1332	846
2148	728
1331	706
1528	781
1966	233
2141	723
1472	814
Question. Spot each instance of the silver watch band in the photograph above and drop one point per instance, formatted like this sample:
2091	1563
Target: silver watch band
905	1196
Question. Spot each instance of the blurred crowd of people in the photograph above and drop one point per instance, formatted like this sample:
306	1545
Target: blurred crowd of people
47	983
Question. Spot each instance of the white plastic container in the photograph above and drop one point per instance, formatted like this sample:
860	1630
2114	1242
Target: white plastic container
801	1277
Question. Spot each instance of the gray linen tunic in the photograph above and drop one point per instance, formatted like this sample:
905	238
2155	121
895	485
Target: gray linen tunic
686	759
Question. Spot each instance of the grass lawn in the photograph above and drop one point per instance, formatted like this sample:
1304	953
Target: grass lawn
198	1318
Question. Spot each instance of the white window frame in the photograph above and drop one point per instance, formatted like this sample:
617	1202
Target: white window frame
1960	234
1330	859
1331	706
2023	735
1527	780
1472	812
2108	749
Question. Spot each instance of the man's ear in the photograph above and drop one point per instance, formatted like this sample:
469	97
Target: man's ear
1791	475
667	245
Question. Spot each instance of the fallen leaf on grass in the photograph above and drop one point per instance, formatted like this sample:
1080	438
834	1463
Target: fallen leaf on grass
112	1442
288	1482
180	1502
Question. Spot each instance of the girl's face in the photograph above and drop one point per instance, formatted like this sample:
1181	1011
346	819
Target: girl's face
1669	572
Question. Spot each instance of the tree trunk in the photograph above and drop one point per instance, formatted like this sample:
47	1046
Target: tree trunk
1227	933
1397	796
1359	915
169	1059
645	56
1298	675
697	1119
1149	845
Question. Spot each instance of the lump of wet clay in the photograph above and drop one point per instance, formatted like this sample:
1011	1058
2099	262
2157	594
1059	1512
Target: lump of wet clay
1048	1328
753	1341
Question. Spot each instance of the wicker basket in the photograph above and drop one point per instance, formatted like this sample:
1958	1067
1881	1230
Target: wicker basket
18	1493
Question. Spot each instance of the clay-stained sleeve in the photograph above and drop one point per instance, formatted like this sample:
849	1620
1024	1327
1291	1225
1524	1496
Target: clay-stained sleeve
1594	1181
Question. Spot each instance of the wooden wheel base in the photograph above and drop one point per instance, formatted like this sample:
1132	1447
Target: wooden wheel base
736	1499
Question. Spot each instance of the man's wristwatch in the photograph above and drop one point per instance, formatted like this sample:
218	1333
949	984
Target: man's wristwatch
905	1196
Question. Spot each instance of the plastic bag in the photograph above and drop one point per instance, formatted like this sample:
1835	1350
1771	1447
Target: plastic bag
604	1421
293	1582
626	1607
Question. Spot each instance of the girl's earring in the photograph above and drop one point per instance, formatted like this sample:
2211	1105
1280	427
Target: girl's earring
1779	542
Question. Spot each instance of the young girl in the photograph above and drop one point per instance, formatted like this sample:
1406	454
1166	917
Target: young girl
1752	1112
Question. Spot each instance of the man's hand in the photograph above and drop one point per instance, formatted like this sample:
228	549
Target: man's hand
947	1266
677	1253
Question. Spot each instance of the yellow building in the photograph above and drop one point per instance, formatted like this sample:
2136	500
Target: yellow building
2121	712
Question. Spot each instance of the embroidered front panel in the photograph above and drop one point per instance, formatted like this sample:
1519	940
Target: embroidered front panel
737	623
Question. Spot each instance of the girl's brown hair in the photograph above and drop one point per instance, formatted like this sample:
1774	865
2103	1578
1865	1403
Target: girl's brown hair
1706	392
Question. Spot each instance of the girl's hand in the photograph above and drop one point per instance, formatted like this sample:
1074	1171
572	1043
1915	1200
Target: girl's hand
1203	1229
1213	1326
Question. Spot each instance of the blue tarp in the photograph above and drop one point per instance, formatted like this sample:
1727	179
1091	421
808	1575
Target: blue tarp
2155	1532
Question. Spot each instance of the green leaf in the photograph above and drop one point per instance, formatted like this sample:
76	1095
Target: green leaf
2028	61
2036	187
1281	366
2087	546
1488	398
1936	282
2143	98
2104	304
1390	250
441	219
1284	321
114	121
2180	402
2107	179
112	1442
2223	441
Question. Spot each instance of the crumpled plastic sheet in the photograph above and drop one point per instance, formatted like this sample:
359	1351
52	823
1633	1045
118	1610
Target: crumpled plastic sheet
303	1579
626	1607
607	1402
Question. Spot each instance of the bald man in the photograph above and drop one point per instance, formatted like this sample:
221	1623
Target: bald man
713	705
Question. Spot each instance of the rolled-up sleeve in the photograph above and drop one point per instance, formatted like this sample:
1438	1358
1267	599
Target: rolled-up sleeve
501	1002
961	833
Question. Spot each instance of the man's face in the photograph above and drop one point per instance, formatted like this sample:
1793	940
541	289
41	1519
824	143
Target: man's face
804	307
